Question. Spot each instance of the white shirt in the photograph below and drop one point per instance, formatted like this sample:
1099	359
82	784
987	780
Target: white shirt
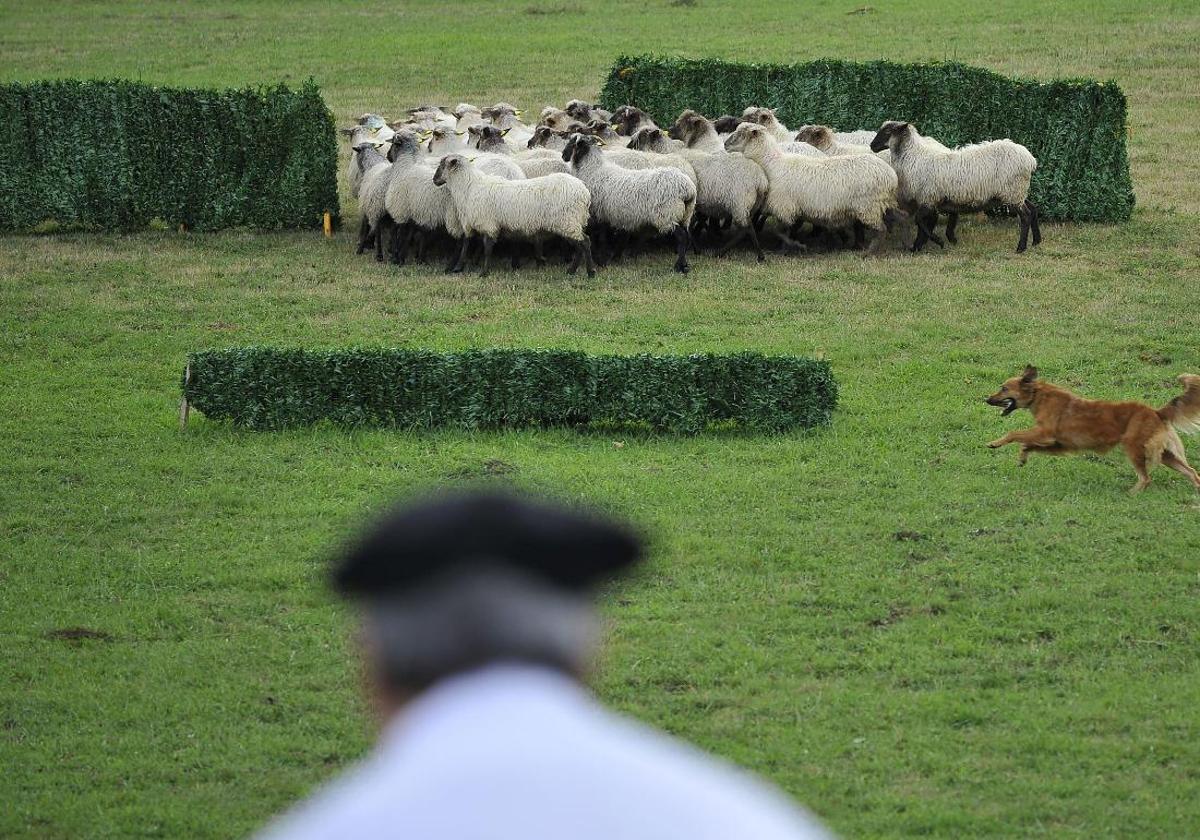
519	753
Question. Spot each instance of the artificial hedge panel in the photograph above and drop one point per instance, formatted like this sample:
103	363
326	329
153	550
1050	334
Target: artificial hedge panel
270	388
1075	128
119	155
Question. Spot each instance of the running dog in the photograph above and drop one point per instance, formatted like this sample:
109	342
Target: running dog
1064	422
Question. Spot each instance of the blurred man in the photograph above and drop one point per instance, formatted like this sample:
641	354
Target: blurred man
477	629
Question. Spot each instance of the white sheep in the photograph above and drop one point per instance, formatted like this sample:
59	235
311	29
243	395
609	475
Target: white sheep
995	173
490	207
833	192
505	116
535	163
545	137
729	186
358	135
466	115
630	200
413	202
627	120
585	112
375	172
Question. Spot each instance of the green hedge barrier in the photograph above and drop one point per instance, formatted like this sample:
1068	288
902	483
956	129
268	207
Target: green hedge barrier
119	155
1075	128
269	388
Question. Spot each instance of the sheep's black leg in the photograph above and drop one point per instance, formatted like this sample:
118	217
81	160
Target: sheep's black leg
488	243
515	257
578	257
738	236
459	260
364	231
926	221
400	236
859	235
620	240
384	225
951	228
587	256
1023	216
1033	221
681	249
538	256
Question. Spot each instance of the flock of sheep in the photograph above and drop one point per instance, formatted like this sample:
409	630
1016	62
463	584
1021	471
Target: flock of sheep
596	179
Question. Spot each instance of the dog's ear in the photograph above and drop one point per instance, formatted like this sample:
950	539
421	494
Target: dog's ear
1029	375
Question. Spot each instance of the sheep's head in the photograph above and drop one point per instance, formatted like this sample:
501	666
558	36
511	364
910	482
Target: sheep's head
747	135
690	126
462	109
502	115
627	119
443	139
404	142
820	136
726	124
891	134
579	146
649	139
579	109
490	138
761	116
450	165
547	138
599	128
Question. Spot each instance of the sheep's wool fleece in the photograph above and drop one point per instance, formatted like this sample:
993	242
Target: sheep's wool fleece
632	199
490	205
998	171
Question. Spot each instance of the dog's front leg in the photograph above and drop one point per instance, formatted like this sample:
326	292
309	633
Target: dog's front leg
1034	438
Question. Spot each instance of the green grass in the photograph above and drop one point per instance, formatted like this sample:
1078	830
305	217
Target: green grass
901	628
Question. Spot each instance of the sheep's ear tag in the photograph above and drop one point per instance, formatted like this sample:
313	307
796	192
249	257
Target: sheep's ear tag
601	142
460	133
505	131
471	160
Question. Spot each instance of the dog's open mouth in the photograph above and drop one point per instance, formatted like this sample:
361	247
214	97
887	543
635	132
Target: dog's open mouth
1010	405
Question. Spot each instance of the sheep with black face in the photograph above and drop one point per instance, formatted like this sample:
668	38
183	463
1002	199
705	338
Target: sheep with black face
995	173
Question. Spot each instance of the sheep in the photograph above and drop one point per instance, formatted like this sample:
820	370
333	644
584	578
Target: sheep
829	191
502	115
533	163
374	169
627	120
558	119
627	200
822	137
545	137
446	141
726	124
585	112
357	135
466	115
489	207
605	131
995	173
728	185
413	201
767	119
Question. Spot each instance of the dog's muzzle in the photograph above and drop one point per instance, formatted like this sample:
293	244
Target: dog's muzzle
1009	404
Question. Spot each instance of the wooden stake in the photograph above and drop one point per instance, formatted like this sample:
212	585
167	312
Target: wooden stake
184	408
328	226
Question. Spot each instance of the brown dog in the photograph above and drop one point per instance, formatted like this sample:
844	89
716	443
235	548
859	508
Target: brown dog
1064	423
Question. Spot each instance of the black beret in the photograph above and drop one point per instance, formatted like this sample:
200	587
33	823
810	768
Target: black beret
418	542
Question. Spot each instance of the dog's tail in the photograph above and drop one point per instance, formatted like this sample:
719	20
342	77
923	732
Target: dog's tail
1183	412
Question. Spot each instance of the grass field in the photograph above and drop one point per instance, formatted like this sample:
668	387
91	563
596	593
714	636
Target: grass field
900	627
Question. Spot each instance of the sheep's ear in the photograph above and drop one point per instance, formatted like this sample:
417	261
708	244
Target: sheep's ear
505	131
460	133
600	142
1030	373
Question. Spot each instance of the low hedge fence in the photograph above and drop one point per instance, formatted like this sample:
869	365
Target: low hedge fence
119	155
1075	128
270	388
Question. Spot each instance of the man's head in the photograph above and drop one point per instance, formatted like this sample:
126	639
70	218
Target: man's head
460	582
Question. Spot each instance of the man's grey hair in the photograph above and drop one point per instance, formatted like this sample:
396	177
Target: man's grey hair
477	617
